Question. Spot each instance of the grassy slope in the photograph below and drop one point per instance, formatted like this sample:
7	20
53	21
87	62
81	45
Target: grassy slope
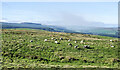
18	51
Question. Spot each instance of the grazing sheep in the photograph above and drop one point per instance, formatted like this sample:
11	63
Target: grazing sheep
57	42
70	44
45	40
86	46
61	57
76	46
111	40
81	41
69	40
31	40
75	41
61	38
52	38
112	46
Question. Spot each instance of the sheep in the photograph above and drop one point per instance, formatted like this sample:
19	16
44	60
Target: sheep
81	41
45	40
75	41
69	40
76	46
86	46
61	57
112	46
70	44
61	38
111	40
52	38
31	40
57	42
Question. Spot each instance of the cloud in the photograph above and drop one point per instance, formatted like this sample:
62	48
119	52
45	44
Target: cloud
3	21
74	20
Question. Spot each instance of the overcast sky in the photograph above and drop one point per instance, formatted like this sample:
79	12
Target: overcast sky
104	12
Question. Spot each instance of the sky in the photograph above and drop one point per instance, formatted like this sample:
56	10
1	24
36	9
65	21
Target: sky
59	0
60	13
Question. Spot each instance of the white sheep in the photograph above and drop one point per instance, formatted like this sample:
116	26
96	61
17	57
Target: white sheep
61	38
81	41
76	46
45	40
86	46
111	40
69	40
52	38
75	41
70	44
31	40
112	46
57	42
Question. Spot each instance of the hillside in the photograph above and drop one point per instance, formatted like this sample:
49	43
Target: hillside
111	32
32	48
103	31
7	25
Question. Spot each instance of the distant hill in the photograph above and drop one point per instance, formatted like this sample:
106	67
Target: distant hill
111	32
29	23
6	25
103	31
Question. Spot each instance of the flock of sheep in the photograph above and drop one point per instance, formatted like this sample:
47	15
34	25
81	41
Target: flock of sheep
112	45
70	44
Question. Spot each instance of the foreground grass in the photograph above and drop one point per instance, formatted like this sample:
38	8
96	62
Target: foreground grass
18	51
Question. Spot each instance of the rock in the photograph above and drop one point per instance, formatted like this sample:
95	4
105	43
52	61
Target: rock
71	58
31	34
32	46
116	41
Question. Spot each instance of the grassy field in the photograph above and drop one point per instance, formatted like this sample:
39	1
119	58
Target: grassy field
26	48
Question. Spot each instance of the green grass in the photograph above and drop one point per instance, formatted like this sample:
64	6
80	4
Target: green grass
18	51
